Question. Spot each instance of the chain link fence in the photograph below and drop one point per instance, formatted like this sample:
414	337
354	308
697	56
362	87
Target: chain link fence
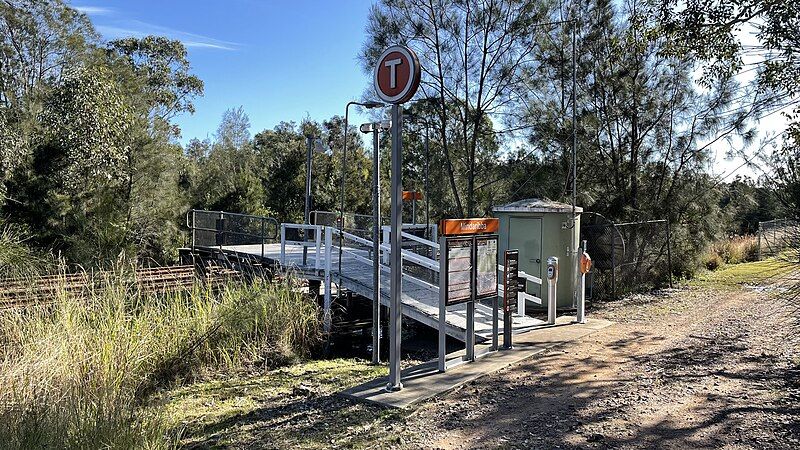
626	257
777	236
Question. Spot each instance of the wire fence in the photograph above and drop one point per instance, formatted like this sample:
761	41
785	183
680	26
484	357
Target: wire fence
626	257
777	236
217	228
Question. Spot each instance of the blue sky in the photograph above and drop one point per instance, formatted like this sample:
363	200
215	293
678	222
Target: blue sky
279	59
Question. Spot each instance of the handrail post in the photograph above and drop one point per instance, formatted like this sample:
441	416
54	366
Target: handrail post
326	308
283	244
386	240
317	242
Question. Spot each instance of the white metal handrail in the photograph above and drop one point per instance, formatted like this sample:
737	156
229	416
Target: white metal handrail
315	243
522	297
385	268
414	258
433	245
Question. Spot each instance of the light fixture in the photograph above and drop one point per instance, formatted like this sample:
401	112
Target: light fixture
321	147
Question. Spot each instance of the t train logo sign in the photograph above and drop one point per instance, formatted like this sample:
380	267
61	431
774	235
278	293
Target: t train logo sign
397	74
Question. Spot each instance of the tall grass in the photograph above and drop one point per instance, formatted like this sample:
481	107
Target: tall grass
733	250
17	260
77	373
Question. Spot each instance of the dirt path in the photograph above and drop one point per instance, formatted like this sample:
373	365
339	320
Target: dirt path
716	365
699	368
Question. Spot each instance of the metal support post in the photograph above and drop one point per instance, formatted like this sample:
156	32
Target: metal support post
669	253
469	338
396	257
581	314
376	249
442	306
507	330
495	323
283	244
326	306
427	186
552	289
551	302
307	213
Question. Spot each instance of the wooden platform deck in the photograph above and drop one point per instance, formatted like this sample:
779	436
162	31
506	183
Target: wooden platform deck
419	303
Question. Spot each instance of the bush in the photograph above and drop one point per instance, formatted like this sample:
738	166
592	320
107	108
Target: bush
77	373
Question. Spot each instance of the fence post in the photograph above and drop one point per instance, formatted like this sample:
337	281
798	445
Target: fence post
669	252
759	241
263	236
613	263
326	308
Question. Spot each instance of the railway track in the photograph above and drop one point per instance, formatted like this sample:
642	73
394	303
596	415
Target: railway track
44	289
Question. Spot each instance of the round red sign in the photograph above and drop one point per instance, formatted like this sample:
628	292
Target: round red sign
397	74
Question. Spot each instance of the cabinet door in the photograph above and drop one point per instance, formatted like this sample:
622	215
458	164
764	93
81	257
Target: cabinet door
525	235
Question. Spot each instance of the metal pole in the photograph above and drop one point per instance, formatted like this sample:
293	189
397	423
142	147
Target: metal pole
442	305
376	247
613	264
469	338
759	240
341	205
427	191
581	314
396	260
573	239
669	252
307	214
552	285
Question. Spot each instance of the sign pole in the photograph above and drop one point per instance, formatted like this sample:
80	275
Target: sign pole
376	250
397	77
396	258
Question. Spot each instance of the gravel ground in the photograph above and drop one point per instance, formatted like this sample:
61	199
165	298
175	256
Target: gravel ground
713	365
695	368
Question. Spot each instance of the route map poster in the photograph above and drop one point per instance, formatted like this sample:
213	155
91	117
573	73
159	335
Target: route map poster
459	271
486	266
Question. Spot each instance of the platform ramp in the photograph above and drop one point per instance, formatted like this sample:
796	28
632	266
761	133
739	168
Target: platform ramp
313	252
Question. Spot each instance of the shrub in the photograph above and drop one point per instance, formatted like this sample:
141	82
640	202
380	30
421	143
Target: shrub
77	373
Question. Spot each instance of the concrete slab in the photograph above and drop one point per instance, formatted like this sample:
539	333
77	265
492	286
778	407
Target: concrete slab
425	381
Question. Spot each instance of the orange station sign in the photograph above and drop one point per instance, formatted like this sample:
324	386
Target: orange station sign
456	227
411	195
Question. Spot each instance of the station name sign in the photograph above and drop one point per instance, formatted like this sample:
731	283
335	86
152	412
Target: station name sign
458	227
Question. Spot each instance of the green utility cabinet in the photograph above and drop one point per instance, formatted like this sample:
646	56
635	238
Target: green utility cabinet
541	228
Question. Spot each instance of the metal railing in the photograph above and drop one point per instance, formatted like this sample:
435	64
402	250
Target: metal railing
219	229
304	242
522	296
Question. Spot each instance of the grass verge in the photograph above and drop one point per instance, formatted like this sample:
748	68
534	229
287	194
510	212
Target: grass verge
78	373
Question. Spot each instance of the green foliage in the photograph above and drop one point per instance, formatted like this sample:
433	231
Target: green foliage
87	390
88	120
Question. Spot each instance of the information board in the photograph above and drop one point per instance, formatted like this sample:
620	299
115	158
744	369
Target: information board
511	280
486	262
459	270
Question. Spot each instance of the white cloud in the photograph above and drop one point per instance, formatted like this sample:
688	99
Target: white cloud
94	10
139	29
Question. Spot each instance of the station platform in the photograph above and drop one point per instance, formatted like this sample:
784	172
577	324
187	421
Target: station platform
424	381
